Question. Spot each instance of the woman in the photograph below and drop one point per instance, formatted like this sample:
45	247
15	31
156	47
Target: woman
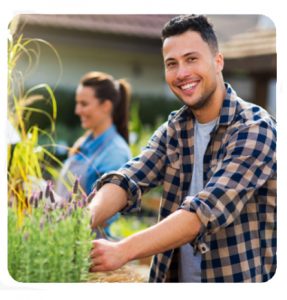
102	105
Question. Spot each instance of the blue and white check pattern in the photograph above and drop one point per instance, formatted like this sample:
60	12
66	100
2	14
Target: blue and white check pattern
237	206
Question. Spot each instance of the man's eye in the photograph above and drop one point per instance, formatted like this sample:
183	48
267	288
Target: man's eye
170	64
191	59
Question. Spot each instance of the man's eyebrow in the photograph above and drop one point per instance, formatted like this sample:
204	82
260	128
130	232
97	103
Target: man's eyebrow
190	53
169	59
184	55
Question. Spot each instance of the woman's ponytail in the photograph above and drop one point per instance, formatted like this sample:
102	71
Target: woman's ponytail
121	109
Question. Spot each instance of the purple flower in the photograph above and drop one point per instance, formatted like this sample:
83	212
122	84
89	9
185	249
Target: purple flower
52	197
47	191
70	197
31	200
91	196
76	186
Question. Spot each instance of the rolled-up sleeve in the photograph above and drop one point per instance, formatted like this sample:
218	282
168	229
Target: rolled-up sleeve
249	161
134	193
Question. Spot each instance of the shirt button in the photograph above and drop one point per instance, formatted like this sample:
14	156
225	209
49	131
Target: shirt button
203	248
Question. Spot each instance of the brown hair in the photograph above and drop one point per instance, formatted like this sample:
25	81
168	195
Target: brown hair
198	23
117	91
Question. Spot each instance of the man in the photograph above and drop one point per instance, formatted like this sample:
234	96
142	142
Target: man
215	158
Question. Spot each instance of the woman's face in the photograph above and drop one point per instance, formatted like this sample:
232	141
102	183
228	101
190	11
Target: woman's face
93	114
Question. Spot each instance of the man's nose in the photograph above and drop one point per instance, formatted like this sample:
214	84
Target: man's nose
182	72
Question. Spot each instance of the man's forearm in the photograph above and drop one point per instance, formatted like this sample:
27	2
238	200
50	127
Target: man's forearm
179	228
108	200
176	230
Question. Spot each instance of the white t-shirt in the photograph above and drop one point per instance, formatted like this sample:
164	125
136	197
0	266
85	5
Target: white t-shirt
190	263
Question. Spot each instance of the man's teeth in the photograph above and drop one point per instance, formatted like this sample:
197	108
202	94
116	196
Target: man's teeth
188	86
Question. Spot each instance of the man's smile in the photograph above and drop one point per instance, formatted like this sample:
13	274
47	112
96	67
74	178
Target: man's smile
188	87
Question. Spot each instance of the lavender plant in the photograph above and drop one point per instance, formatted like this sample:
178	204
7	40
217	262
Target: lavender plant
53	244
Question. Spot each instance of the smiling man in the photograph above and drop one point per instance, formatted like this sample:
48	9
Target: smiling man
215	159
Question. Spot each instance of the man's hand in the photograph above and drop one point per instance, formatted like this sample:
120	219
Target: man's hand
107	256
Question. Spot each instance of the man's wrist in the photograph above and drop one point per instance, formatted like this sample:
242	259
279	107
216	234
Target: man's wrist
126	250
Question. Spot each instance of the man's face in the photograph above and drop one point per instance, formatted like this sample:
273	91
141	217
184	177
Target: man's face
191	69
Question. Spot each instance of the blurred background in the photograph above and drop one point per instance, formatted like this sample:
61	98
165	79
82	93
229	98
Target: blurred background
129	46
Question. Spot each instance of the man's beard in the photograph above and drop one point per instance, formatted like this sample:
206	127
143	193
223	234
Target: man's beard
201	103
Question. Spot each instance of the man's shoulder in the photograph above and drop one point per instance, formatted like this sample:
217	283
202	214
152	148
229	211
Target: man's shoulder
249	113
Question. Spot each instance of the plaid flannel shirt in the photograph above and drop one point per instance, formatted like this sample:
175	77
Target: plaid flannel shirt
237	207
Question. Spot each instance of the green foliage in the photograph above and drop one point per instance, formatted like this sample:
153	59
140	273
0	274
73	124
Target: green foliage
54	242
139	134
126	226
153	110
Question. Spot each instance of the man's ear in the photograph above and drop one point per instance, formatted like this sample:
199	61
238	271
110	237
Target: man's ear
219	60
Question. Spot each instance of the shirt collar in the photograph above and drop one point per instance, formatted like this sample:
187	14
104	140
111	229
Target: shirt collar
227	112
91	143
228	108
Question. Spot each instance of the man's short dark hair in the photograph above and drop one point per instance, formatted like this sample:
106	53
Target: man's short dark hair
198	23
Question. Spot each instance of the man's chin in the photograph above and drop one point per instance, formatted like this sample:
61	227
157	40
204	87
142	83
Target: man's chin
195	104
192	103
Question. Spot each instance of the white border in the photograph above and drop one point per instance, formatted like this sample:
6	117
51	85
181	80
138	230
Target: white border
275	11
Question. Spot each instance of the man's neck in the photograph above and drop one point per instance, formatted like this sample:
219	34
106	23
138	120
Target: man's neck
212	110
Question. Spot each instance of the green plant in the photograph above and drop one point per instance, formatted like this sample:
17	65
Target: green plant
54	242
